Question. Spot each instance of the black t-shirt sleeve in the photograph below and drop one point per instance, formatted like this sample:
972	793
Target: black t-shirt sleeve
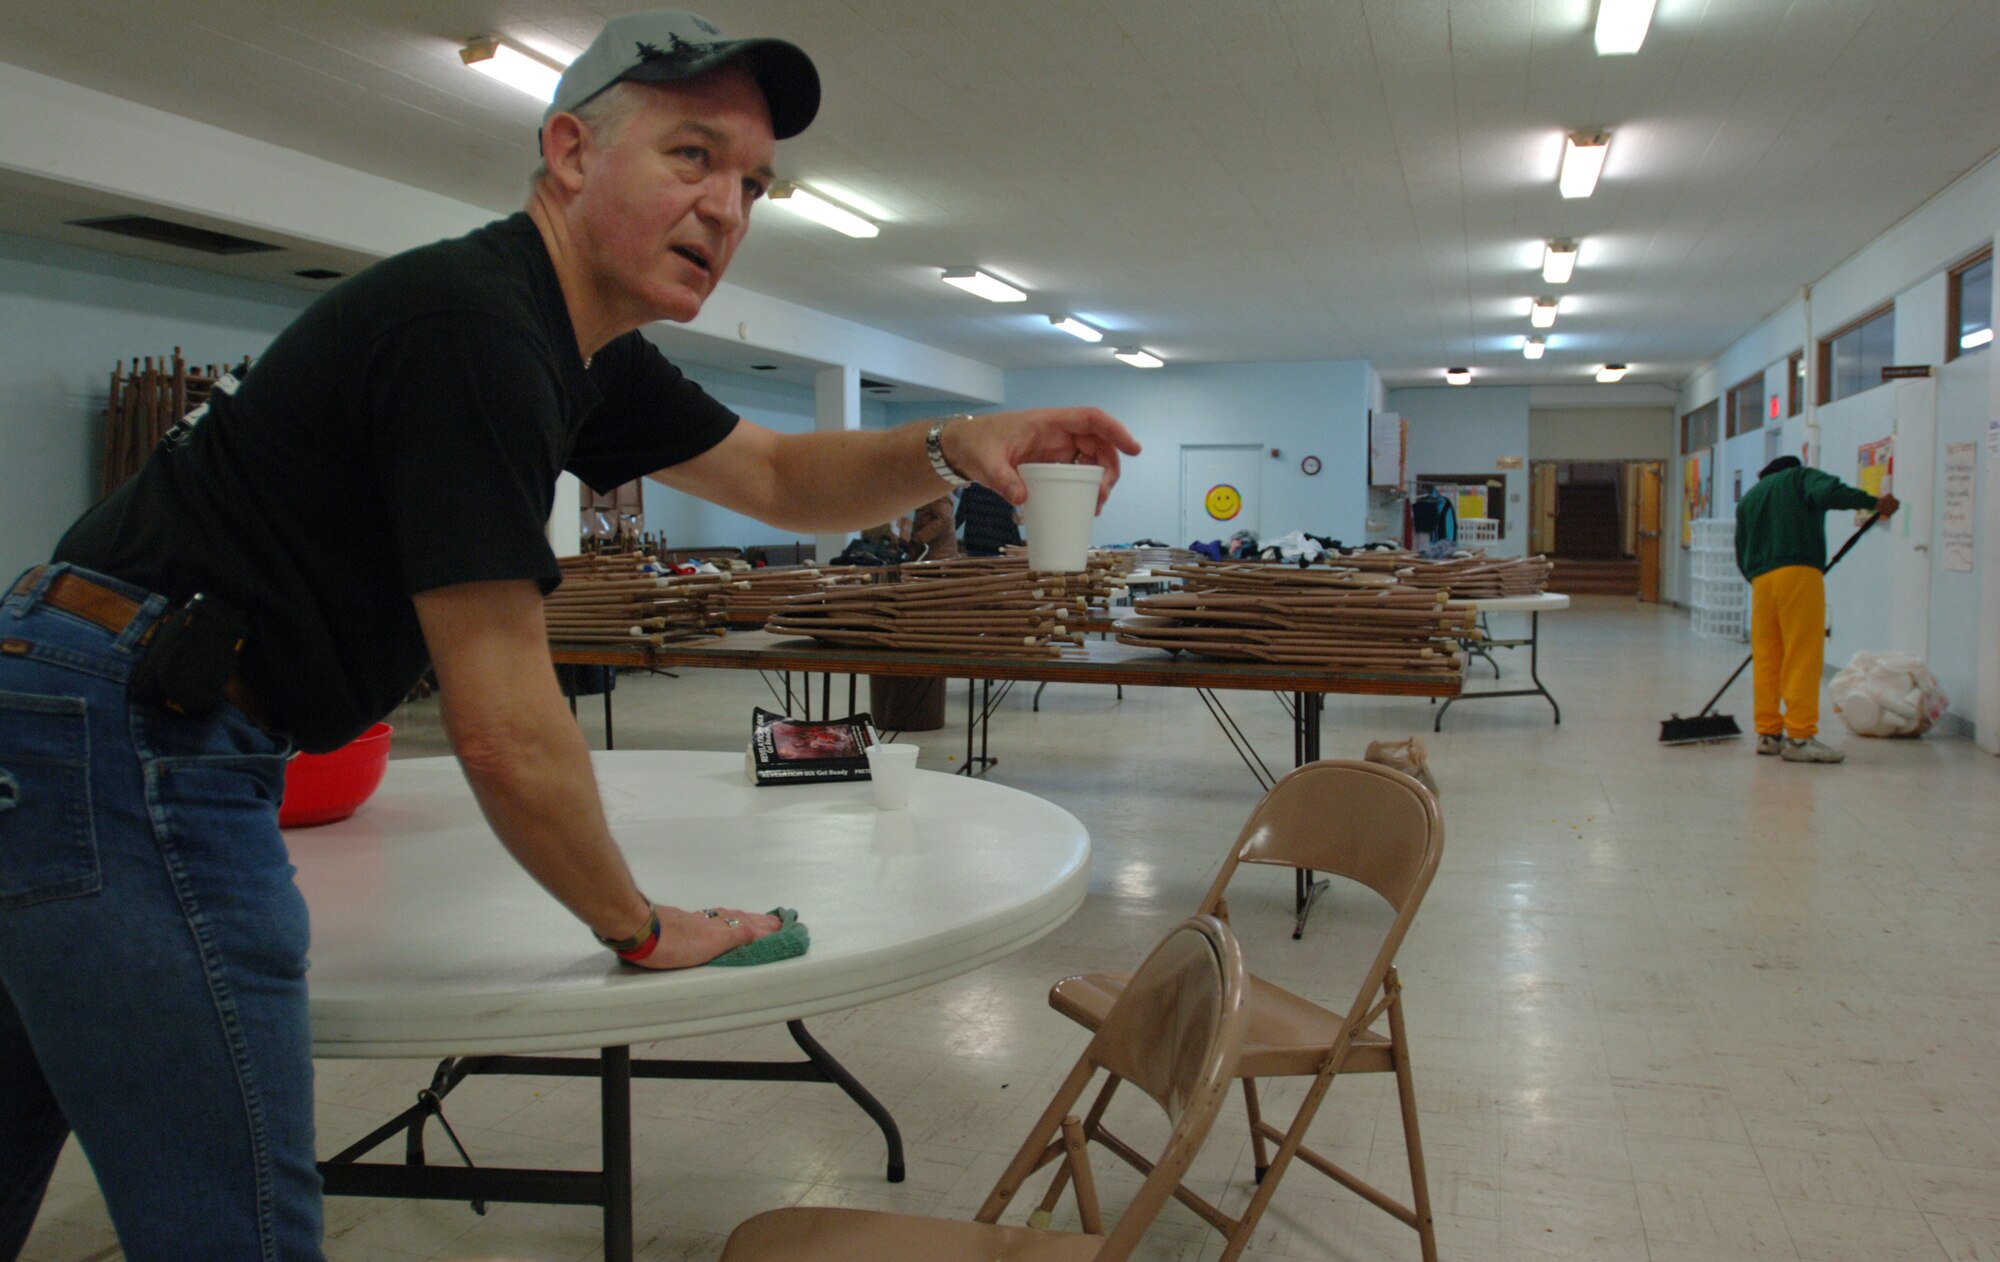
467	419
651	416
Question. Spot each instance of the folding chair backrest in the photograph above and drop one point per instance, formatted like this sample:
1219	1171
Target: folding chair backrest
1360	820
1176	1033
1165	1034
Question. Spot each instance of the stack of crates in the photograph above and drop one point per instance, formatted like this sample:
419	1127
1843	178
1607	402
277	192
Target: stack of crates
1478	531
1721	597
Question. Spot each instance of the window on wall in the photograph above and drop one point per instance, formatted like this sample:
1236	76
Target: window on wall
1969	309
1746	406
1852	359
1699	427
1795	383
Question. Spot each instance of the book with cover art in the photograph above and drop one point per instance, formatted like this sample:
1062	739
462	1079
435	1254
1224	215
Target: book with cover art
785	750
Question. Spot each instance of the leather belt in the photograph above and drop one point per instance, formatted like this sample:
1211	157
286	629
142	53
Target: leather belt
95	603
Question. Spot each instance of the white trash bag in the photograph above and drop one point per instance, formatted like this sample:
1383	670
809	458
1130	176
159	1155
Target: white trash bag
1887	694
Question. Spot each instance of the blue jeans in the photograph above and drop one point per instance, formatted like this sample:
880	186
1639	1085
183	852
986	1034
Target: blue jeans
152	954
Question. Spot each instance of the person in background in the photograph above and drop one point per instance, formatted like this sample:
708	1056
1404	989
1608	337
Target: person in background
931	536
990	521
1781	549
367	503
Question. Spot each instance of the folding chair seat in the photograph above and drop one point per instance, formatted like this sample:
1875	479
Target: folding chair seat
1372	825
1175	1033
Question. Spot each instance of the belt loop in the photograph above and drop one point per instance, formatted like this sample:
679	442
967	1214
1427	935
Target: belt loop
142	623
43	576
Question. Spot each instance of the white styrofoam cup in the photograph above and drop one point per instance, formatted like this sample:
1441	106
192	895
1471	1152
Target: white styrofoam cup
1062	503
890	770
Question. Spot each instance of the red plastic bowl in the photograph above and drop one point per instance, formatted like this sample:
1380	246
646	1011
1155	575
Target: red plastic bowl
322	788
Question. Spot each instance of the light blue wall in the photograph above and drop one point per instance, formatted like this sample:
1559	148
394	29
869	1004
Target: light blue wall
1317	408
1467	429
689	522
66	316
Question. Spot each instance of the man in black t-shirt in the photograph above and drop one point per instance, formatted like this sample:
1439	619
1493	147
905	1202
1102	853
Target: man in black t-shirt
990	521
370	500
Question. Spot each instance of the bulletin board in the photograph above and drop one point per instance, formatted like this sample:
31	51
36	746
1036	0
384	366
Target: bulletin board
1697	491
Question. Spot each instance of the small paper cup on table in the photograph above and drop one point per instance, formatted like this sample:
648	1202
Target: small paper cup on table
891	768
1062	503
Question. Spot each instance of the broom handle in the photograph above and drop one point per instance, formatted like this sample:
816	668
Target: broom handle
1855	538
1725	685
1852	540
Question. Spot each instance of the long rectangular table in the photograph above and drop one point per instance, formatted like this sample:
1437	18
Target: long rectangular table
1094	662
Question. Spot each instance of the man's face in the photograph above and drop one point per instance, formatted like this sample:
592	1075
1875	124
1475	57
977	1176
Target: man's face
666	202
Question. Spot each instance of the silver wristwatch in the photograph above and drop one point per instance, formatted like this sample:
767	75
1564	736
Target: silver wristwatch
934	448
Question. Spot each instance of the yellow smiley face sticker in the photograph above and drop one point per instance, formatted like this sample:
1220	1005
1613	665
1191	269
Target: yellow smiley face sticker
1223	501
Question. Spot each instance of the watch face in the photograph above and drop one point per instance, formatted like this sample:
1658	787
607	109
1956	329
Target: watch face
1310	465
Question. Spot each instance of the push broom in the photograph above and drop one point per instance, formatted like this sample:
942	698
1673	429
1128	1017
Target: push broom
1705	727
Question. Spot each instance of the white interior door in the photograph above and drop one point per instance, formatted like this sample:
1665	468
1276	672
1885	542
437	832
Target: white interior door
1220	491
1912	472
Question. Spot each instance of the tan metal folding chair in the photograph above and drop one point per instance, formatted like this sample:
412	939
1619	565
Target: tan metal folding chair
1372	825
1175	1034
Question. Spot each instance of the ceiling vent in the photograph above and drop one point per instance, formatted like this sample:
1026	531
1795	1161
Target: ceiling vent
319	273
873	386
166	232
763	368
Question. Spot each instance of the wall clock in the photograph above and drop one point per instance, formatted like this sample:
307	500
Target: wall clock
1309	466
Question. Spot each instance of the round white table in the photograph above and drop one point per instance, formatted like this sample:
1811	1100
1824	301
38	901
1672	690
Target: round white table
428	940
1534	606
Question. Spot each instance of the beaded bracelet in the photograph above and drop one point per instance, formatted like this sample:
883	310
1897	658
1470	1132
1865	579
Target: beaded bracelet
637	948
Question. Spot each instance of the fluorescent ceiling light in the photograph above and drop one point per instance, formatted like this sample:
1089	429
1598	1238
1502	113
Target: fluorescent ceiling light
1975	340
807	204
974	281
509	65
1610	373
1076	328
1137	358
1558	262
1583	162
1458	376
1621	26
1533	347
1543	314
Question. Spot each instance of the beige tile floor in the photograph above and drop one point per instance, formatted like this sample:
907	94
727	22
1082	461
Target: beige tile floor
1685	1005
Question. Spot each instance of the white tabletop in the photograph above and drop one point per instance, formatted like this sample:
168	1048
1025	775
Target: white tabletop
428	940
1541	602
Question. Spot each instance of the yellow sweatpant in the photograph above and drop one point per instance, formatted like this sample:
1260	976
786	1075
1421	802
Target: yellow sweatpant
1788	645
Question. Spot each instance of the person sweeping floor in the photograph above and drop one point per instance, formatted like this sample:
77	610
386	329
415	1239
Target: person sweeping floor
1781	549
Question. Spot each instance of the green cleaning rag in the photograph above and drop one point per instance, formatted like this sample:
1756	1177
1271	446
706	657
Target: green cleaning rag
791	939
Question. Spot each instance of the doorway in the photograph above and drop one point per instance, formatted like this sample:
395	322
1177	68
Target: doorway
1599	520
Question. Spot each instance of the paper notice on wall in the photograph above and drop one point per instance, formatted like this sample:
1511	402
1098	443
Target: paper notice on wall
1872	470
1872	464
1960	470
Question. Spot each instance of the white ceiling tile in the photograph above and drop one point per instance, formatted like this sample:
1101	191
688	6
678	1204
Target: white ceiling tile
1265	179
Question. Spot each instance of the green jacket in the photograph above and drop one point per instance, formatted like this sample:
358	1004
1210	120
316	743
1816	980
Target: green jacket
1781	520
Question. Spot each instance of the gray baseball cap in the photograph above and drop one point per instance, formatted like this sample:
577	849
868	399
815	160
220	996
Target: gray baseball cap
670	45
